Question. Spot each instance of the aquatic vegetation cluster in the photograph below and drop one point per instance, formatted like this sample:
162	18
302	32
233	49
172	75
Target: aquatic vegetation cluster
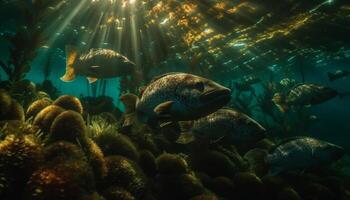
63	154
180	136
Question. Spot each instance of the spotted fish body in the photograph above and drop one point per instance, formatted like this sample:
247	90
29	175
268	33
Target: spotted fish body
96	64
301	153
304	94
230	125
309	94
180	97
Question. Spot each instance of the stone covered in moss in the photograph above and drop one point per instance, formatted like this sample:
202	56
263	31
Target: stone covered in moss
213	163
147	162
117	144
37	106
46	116
20	155
10	109
68	126
171	164
125	173
5	102
205	197
62	151
69	102
223	187
117	193
248	186
67	180
179	186
96	160
288	193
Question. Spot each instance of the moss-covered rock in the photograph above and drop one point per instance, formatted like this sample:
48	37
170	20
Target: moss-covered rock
117	193
117	144
14	112
317	191
62	151
248	186
68	180
213	163
69	103
20	155
273	185
223	187
147	162
36	107
179	186
288	193
171	164
125	173
205	197
68	126
96	160
46	116
5	102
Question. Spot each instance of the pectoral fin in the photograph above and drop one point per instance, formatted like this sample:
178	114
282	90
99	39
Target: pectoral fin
91	79
185	138
163	108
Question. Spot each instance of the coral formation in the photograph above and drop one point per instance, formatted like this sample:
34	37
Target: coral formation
117	144
37	106
69	103
46	116
68	126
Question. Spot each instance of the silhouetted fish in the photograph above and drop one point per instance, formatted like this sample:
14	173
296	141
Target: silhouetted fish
95	64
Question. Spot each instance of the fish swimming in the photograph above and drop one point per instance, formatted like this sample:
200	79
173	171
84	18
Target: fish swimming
227	124
301	153
96	64
304	94
337	75
180	97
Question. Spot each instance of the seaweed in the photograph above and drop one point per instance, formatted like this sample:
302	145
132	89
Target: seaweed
24	43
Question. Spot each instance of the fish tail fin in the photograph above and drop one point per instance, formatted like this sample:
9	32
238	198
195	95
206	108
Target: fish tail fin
331	76
278	99
71	54
129	101
185	138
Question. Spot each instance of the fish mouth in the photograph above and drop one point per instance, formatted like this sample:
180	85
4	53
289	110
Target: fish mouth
218	97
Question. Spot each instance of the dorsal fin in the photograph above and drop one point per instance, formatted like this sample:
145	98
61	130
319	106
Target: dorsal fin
284	141
161	76
296	85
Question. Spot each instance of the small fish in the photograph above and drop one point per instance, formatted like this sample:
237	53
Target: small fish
287	82
129	116
301	153
227	124
304	94
95	64
337	75
180	97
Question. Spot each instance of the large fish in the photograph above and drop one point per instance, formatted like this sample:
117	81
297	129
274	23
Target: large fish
304	94
95	64
227	124
179	97
301	153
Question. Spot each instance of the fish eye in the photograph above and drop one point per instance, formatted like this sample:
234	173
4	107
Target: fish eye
199	86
